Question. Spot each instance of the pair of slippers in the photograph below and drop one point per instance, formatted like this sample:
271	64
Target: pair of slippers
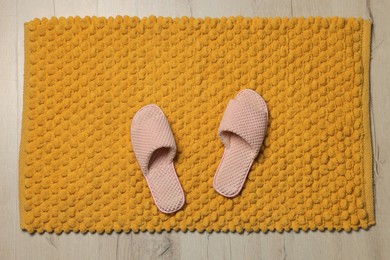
242	130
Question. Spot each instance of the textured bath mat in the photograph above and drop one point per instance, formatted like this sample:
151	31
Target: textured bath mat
85	78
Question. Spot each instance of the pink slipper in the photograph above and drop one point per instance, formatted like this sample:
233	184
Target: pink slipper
154	147
242	130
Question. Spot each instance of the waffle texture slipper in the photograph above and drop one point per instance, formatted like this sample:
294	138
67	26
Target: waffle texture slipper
155	148
242	130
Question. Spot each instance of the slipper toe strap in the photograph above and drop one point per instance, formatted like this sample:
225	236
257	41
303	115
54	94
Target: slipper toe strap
154	133
243	120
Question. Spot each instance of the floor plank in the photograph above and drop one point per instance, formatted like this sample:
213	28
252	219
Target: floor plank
15	244
8	125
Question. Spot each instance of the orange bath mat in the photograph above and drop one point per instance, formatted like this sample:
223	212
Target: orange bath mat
85	78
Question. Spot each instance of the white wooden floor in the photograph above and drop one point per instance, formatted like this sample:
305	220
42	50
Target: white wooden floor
15	244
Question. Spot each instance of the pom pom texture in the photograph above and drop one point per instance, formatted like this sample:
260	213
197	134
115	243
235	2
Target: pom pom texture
85	78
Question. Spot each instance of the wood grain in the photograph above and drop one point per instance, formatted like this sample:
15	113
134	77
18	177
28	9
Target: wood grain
8	128
15	244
